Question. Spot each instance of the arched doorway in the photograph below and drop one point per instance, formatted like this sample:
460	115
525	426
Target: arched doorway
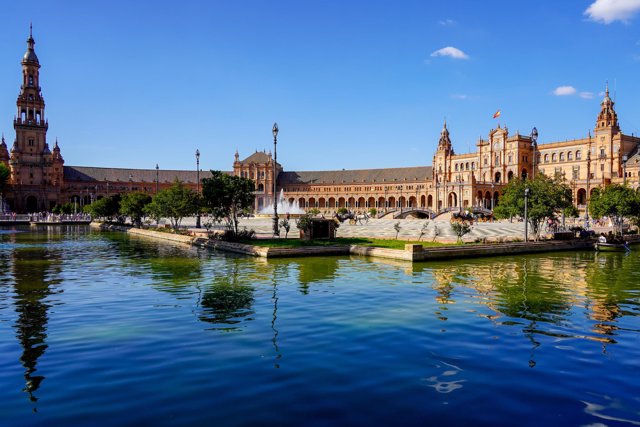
32	204
453	200
498	176
524	174
496	199
582	196
487	200
510	176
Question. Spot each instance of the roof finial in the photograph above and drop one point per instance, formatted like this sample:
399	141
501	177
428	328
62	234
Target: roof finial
607	89
30	29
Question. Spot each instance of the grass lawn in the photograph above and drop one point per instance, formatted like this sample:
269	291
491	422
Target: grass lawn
298	243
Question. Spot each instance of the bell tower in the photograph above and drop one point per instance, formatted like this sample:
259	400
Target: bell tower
36	172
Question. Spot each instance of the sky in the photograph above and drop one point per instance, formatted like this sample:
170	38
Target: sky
352	84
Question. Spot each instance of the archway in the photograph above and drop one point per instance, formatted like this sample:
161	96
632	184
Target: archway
510	176
524	174
372	202
392	202
413	202
423	202
332	203
430	201
32	204
322	203
582	196
341	202
453	200
361	203
497	177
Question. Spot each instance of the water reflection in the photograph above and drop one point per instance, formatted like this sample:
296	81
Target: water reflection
36	272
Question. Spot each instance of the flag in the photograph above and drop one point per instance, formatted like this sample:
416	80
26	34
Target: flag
497	114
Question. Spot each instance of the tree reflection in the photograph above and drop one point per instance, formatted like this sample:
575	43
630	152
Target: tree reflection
226	301
316	269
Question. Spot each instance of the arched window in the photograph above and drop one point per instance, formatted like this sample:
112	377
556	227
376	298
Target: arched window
570	155
473	166
30	80
456	167
578	155
562	157
510	158
554	157
466	166
260	187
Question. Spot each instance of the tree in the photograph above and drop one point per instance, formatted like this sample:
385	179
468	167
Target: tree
397	227
286	225
174	203
226	196
133	204
547	196
617	202
4	177
460	228
423	230
106	208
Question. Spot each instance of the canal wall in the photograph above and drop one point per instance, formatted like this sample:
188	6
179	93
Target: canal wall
411	252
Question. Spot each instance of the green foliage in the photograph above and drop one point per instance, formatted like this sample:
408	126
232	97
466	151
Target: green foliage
617	202
313	211
546	197
373	212
460	228
304	223
107	208
342	211
5	173
133	205
66	208
227	196
174	203
397	227
286	225
571	211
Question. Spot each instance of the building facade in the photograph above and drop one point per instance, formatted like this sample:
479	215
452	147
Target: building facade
472	181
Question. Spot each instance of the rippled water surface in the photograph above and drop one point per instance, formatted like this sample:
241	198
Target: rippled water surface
106	329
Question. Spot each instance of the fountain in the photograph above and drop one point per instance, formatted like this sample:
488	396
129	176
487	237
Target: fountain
284	207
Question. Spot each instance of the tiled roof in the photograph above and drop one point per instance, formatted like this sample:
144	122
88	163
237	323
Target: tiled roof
389	175
89	173
257	157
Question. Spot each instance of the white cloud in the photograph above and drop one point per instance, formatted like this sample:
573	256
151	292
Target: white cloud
450	51
564	90
608	11
446	22
586	95
459	96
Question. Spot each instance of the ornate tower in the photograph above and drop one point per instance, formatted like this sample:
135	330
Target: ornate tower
607	119
36	172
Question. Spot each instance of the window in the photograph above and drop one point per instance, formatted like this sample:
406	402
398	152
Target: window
562	157
602	154
570	156
510	159
456	167
554	157
546	158
578	155
30	80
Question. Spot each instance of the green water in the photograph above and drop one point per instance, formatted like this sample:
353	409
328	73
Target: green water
106	329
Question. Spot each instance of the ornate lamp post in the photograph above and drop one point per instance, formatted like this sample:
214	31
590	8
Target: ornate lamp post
460	192
157	177
276	229
624	169
534	144
526	217
586	213
198	186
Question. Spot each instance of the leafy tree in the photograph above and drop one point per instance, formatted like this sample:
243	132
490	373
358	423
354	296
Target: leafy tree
373	212
342	211
397	227
4	177
313	211
286	225
227	196
65	208
460	228
107	208
547	196
133	204
174	203
617	202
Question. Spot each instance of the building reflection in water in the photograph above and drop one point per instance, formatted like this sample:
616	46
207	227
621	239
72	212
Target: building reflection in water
36	272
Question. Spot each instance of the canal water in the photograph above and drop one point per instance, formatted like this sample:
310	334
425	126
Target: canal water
105	329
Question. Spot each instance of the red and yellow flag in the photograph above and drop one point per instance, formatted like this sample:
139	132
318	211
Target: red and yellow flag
497	114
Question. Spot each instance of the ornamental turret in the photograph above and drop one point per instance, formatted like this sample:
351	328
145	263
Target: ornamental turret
4	152
607	119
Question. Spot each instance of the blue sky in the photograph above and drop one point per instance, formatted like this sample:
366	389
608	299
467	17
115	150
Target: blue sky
352	84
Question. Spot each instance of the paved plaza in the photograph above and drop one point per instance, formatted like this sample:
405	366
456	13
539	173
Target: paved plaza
383	228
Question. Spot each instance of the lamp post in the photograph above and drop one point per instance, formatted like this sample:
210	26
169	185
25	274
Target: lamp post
460	192
586	213
526	217
198	187
492	196
157	177
624	169
276	229
534	145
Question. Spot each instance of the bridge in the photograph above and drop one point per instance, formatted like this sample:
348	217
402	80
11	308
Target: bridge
421	212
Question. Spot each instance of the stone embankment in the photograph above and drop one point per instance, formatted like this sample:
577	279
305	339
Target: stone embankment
411	252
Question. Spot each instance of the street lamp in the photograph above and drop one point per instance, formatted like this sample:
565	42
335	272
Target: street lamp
460	192
526	218
624	169
586	213
157	177
534	144
198	187
276	229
